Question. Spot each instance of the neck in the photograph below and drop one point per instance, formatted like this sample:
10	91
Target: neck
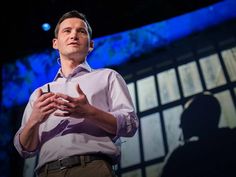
68	66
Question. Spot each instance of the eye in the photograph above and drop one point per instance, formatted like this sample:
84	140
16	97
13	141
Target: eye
66	30
82	31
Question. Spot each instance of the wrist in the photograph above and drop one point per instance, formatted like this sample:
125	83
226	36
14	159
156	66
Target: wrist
33	123
92	112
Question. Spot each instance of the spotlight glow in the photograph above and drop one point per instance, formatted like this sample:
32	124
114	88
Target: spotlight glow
46	26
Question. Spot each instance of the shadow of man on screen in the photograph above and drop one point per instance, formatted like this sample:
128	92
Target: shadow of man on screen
207	151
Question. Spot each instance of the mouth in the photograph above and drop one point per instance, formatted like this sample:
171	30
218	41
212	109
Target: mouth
74	44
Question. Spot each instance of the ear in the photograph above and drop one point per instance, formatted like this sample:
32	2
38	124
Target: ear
91	46
54	43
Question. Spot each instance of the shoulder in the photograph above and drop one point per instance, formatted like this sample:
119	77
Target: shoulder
111	73
105	70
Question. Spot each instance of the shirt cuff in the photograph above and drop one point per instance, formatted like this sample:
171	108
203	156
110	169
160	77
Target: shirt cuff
24	153
127	124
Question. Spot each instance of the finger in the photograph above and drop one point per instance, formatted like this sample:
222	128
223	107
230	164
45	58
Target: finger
49	107
47	113
39	93
50	111
61	102
79	90
62	114
65	97
64	108
48	100
45	96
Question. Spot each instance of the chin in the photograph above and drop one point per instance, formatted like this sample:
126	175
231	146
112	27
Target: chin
78	57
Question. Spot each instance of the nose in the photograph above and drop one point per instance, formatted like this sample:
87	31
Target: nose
74	35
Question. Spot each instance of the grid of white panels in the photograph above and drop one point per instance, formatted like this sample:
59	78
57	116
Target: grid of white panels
152	137
168	86
190	79
212	71
228	115
154	170
229	57
130	151
132	93
147	95
29	166
172	122
191	84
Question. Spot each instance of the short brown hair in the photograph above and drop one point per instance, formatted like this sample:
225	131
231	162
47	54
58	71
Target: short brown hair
73	14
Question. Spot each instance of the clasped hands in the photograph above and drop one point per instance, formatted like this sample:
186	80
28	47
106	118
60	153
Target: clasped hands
47	103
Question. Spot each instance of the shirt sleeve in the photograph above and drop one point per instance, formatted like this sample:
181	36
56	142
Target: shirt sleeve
17	144
121	107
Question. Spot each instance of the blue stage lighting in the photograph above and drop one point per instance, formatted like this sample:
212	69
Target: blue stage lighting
21	78
46	26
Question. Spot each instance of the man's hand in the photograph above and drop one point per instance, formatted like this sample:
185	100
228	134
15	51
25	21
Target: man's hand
76	107
43	106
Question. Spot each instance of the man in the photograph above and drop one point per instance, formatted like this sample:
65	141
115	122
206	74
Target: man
208	150
73	126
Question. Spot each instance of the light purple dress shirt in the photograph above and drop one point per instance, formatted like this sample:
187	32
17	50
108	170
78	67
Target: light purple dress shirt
66	136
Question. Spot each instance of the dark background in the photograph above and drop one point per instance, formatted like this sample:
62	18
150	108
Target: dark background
21	20
21	32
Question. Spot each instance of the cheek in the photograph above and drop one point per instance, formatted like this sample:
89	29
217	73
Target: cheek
85	42
60	44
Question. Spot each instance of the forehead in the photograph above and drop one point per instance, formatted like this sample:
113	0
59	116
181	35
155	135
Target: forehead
73	22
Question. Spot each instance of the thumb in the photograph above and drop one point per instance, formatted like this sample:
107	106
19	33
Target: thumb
79	90
39	93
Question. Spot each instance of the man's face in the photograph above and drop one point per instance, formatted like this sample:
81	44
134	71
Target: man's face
73	39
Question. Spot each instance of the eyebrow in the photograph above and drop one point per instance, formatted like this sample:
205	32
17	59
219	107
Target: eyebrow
84	28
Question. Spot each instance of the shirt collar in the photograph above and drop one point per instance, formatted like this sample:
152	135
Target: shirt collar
81	67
